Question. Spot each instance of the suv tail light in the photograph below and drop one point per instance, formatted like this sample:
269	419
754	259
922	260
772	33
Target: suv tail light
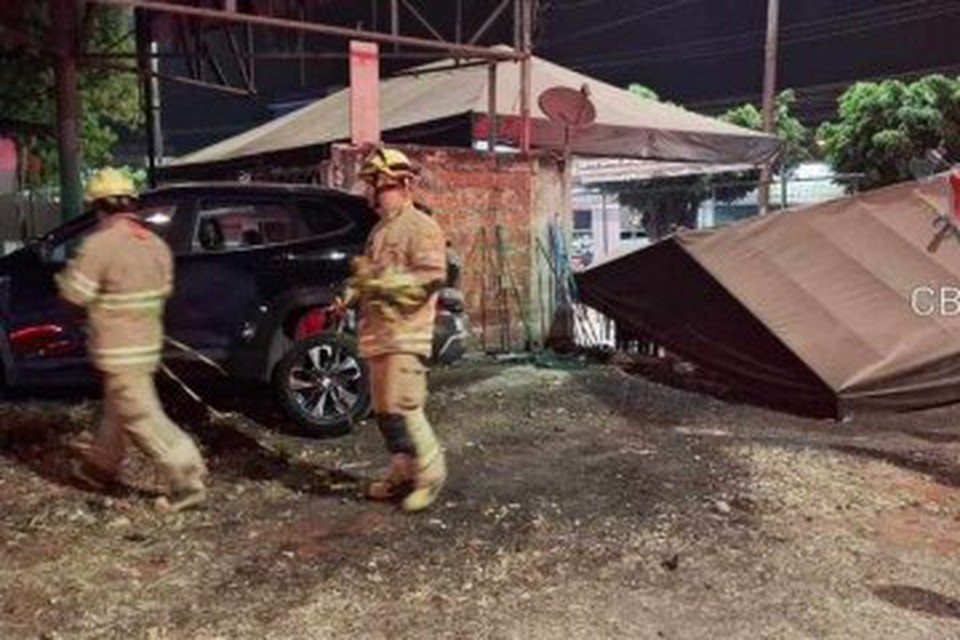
39	340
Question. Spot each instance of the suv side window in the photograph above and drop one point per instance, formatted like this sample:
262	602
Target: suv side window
232	225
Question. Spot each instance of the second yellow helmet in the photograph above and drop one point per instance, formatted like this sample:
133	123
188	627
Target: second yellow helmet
388	162
109	183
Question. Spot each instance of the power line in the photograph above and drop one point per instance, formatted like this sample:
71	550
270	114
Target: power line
814	35
758	33
619	22
789	41
819	91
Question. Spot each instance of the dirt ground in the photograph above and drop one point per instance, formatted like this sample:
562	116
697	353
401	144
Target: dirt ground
583	503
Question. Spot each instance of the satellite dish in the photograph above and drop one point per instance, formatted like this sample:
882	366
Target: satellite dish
568	107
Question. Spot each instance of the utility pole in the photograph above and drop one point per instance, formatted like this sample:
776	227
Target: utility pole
63	18
769	96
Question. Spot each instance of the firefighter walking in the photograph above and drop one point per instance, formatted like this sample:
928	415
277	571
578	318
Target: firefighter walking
122	275
396	284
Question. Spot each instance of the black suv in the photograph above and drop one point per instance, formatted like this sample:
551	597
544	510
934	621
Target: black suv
257	268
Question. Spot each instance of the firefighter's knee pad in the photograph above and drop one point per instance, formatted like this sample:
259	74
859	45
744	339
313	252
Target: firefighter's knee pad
396	435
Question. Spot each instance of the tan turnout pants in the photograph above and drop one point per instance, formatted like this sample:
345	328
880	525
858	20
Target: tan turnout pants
132	414
398	386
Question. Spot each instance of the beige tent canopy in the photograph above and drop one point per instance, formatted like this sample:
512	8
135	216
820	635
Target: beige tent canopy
824	310
626	126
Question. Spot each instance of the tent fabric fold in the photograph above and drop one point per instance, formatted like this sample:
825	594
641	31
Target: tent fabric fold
825	296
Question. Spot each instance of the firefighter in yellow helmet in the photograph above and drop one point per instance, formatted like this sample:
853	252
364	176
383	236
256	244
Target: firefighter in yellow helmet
396	283
122	275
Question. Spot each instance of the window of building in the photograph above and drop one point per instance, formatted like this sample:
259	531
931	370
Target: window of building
631	225
583	220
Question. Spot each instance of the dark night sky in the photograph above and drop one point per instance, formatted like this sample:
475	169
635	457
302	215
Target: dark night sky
704	54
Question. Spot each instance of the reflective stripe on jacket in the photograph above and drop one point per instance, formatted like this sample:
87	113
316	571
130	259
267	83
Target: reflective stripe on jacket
412	241
122	274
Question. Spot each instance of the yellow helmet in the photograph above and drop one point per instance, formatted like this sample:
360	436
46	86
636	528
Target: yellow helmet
388	162
107	183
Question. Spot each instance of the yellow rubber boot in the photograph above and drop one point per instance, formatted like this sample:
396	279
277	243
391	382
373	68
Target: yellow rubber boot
431	472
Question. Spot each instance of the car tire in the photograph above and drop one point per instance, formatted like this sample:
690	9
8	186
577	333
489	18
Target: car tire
323	385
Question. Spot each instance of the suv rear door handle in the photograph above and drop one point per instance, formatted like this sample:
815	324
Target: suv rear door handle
284	258
329	255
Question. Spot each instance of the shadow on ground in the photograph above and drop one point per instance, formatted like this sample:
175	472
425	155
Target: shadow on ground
919	600
37	434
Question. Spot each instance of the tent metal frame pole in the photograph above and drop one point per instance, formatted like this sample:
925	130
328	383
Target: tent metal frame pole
395	22
252	51
526	34
274	56
489	21
458	29
172	78
412	8
464	50
492	108
238	60
517	19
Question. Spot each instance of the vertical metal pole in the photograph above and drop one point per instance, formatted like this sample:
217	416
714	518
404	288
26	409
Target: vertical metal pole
148	98
606	231
526	29
458	36
251	50
63	14
395	21
784	186
155	101
492	108
301	45
517	19
769	95
373	15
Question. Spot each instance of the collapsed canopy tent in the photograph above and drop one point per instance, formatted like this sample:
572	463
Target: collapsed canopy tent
823	310
626	125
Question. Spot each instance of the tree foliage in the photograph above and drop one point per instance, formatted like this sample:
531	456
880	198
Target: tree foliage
109	100
666	204
794	135
643	91
882	126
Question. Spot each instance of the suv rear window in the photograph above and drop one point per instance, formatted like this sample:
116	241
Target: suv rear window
325	217
158	217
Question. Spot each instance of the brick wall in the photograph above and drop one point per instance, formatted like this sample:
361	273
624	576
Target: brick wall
493	210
